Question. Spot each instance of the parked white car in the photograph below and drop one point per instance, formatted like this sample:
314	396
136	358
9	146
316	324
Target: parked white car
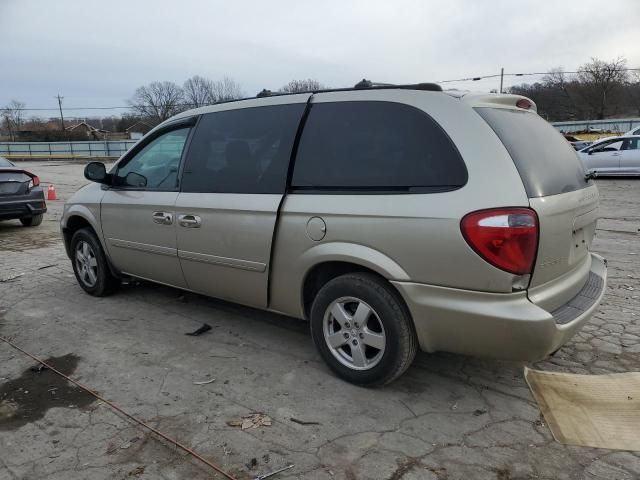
613	156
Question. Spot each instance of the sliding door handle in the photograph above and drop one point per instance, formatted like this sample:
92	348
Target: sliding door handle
189	221
163	218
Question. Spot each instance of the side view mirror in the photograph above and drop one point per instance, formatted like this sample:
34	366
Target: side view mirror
96	172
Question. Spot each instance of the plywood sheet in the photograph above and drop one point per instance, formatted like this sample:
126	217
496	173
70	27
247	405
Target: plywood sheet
600	411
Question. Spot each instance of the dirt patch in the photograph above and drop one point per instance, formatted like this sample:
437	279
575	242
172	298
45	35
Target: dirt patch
26	399
17	238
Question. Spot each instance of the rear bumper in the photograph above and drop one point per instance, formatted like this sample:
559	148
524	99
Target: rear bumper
19	206
505	326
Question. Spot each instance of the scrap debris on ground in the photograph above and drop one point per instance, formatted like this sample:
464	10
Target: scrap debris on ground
253	420
601	411
204	328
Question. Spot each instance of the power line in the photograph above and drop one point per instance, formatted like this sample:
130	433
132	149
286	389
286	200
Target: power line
482	77
106	108
465	79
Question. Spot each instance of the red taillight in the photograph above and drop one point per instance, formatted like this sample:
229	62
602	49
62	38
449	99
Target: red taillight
36	180
507	238
524	103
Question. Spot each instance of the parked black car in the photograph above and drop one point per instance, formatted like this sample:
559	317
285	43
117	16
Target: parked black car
20	195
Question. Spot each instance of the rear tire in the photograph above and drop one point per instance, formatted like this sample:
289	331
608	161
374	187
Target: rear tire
90	264
370	352
31	221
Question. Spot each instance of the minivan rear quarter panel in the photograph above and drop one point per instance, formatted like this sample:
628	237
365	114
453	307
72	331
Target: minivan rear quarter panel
418	232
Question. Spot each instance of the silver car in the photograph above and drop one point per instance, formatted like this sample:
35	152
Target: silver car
613	156
391	217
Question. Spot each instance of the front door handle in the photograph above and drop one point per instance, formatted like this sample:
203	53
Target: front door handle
189	221
163	218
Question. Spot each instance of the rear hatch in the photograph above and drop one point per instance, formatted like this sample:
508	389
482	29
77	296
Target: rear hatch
566	203
13	182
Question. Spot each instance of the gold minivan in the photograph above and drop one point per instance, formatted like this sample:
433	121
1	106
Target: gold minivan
391	217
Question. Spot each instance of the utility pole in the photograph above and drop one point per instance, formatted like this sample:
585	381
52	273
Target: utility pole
61	116
501	78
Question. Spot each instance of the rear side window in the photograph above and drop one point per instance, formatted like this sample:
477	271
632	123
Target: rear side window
242	151
375	146
546	162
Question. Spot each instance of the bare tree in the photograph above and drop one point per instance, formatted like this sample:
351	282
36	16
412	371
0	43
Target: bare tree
197	91
225	90
598	80
632	90
12	115
299	86
598	90
562	96
158	101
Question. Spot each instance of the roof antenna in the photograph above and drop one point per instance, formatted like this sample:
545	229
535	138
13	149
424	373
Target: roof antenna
264	93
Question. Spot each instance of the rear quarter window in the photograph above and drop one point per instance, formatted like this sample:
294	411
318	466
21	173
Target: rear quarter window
375	146
546	162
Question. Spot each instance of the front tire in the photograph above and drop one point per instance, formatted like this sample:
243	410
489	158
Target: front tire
90	264
31	221
363	330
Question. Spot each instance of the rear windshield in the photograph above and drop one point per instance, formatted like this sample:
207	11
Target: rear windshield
547	163
14	177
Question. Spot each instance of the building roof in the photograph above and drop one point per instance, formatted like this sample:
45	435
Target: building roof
138	123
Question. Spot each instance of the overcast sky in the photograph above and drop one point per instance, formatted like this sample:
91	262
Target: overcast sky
95	53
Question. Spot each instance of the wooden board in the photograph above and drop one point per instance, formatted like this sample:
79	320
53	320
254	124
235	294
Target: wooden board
600	411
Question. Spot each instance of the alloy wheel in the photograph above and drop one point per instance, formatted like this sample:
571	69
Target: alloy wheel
354	333
86	263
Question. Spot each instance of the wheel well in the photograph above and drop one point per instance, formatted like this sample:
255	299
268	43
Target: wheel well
74	224
322	273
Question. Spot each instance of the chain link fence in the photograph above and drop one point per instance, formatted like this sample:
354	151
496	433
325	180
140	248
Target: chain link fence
111	149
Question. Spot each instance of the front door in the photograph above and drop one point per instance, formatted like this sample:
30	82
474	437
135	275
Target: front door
138	211
232	186
604	157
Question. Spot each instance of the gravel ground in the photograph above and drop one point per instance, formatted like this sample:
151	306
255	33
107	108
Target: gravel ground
449	417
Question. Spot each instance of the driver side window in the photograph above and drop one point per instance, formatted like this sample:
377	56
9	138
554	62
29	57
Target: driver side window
612	146
155	167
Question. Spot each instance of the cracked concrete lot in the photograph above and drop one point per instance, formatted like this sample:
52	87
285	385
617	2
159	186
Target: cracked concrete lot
449	417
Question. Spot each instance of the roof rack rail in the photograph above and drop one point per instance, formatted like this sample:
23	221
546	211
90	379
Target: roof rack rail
364	83
361	85
431	87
